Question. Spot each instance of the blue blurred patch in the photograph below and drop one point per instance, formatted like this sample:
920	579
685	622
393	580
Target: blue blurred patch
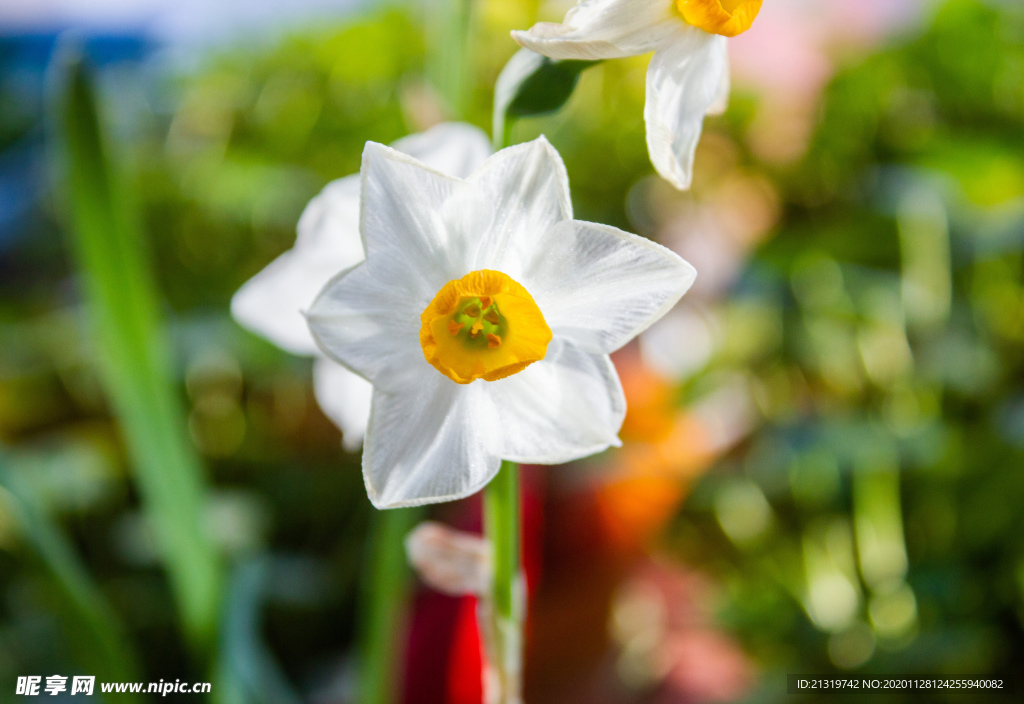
24	59
32	51
19	186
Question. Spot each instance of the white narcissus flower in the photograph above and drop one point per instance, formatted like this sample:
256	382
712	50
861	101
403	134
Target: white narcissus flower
688	76
271	303
484	316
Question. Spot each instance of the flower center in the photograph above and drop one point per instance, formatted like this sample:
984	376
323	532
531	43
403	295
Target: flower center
483	326
725	17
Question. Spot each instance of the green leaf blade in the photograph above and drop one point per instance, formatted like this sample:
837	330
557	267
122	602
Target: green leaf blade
133	348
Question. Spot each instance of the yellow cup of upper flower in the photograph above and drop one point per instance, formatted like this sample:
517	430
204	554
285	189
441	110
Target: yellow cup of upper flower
687	78
725	17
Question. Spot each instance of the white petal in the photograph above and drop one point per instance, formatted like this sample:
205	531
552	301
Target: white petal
271	303
600	287
344	397
368	319
453	148
683	80
403	202
451	561
567	406
721	102
331	220
517	196
426	445
604	29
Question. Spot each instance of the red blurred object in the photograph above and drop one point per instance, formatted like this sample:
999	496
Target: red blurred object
464	684
444	662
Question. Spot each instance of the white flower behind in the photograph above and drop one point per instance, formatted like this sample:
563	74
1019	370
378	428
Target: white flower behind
484	316
688	76
271	303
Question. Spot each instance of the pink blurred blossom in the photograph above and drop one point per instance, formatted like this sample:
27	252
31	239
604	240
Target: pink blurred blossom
670	612
791	52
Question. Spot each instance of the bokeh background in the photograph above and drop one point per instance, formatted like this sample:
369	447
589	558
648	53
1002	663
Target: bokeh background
823	467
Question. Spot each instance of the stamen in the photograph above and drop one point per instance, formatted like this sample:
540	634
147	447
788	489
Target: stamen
493	341
455	328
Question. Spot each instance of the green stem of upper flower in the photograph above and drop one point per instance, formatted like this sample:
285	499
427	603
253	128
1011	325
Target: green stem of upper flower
448	64
384	600
503	616
502	136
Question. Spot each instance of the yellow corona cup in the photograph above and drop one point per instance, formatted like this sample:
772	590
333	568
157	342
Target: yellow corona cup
483	326
726	17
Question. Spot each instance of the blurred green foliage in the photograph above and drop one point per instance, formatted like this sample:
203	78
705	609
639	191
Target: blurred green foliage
888	475
131	346
93	632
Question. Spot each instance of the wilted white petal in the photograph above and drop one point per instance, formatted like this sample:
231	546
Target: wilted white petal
368	319
683	80
567	406
449	560
599	286
427	444
604	29
518	195
344	397
453	148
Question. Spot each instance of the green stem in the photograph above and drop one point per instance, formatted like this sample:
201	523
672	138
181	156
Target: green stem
384	599
503	617
502	135
448	66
